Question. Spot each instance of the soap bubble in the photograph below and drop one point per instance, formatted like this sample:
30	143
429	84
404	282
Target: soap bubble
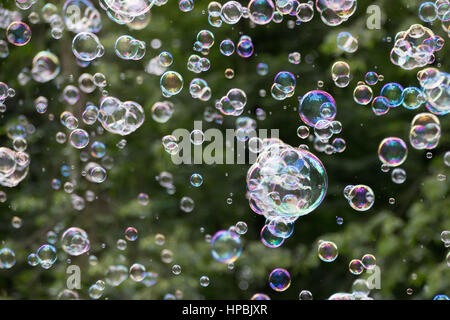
47	255
425	131
412	98
45	67
361	197
162	111
327	251
394	93
312	104
279	279
231	12
75	241
269	239
86	46
128	48
18	33
226	246
7	258
392	151
362	94
369	261
285	181
137	272
261	11
171	83
227	47
356	266
427	12
79	138
398	175
196	180
204	281
346	42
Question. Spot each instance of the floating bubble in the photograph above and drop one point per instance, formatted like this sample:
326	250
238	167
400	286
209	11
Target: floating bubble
394	93
45	67
327	251
18	33
346	42
312	106
261	11
187	204
171	83
361	197
131	234
398	175
226	246
47	255
392	151
369	261
7	258
86	46
196	180
412	98
362	94
356	267
279	279
425	131
75	241
128	48
204	281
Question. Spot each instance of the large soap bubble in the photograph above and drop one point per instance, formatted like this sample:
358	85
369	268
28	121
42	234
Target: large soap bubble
285	181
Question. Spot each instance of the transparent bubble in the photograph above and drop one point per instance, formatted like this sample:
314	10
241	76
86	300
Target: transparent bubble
392	151
369	261
47	255
75	241
204	281
86	46
79	138
363	94
279	279
346	42
312	105
186	204
361	197
425	131
327	251
18	33
7	258
261	11
356	267
226	246
171	83
196	180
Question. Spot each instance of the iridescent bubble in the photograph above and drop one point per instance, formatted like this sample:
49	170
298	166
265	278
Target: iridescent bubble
162	111
204	281
131	234
165	59
231	12
226	246
79	138
7	258
369	261
311	107
362	94
361	197
412	98
279	279
261	11
196	180
33	259
18	33
128	48
425	131
45	67
137	272
393	92
115	275
186	204
75	241
346	42
171	83
392	151
47	255
427	12
260	296
371	78
380	105
327	251
294	57
262	69
398	175
305	295
356	267
280	227
245	47
227	47
269	239
86	46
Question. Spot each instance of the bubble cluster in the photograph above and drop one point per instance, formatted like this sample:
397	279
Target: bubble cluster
425	131
120	117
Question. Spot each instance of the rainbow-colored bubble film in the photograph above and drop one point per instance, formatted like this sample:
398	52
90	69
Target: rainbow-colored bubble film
224	150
